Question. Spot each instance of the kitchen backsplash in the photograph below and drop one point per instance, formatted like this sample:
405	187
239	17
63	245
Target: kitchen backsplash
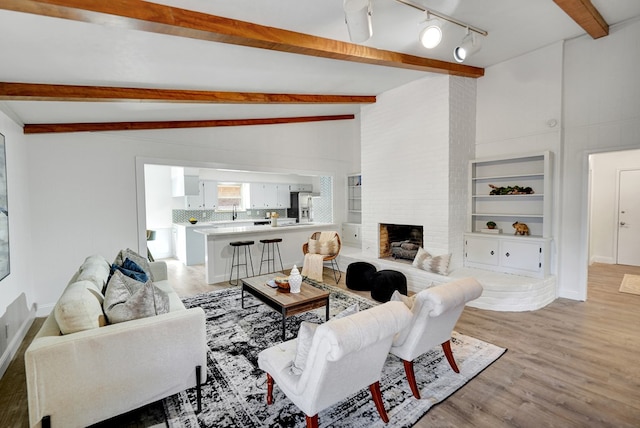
183	216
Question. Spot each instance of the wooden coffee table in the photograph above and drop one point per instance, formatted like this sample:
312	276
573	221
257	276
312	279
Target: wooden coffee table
287	304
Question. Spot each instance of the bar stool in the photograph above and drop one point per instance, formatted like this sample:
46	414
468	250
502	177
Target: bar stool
271	245
235	259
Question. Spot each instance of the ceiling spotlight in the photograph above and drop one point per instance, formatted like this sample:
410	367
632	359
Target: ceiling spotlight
431	35
357	15
470	45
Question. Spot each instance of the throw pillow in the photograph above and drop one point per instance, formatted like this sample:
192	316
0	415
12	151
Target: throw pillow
399	297
435	264
79	308
326	248
127	299
135	257
132	270
303	346
305	337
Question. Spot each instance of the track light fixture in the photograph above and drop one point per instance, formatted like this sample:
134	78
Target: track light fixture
431	35
470	45
357	16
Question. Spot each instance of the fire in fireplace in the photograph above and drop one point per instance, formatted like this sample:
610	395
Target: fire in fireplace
400	241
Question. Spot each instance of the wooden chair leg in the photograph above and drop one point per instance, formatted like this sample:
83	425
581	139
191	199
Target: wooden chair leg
411	378
269	389
312	421
446	347
377	398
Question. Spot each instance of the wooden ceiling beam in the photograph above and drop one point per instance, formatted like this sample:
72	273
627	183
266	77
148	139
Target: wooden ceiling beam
141	126
161	19
586	15
44	92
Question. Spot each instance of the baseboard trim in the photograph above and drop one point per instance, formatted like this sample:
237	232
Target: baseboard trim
16	341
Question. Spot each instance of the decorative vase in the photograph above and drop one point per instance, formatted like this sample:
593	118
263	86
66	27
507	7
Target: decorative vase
274	221
295	280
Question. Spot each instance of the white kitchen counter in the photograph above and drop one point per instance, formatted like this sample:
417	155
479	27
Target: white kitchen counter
219	252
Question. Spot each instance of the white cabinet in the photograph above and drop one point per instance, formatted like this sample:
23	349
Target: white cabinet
209	193
283	198
300	187
190	246
490	178
183	183
520	255
269	196
351	234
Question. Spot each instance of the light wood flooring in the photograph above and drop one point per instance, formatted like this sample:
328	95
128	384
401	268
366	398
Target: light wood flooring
570	364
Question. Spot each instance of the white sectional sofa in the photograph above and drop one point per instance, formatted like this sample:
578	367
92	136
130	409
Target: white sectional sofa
99	371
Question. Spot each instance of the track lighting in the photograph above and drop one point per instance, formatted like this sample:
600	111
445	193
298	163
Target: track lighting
470	45
431	35
357	16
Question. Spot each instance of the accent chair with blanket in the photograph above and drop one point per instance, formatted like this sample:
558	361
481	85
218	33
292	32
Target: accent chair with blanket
320	248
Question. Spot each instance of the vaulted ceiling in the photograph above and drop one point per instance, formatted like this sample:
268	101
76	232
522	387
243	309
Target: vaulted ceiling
72	65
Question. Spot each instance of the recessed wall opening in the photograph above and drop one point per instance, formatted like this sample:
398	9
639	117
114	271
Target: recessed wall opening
400	241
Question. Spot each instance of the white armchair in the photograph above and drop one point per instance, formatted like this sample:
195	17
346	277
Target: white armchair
435	313
346	355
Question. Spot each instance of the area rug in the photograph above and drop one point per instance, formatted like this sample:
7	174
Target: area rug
630	284
234	395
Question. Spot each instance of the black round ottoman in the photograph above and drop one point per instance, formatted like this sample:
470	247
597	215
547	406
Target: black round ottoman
359	276
385	282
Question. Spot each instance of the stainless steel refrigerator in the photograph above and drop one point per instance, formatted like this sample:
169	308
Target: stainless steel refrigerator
301	207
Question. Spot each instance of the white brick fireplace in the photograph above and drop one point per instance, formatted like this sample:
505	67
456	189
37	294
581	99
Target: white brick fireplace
416	144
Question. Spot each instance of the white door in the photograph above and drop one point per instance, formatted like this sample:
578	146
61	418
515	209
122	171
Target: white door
629	218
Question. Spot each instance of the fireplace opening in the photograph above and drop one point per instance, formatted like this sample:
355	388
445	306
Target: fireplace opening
400	241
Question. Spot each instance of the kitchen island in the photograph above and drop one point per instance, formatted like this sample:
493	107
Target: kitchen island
218	252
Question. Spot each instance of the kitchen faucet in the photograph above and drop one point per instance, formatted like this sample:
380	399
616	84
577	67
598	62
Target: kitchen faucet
234	213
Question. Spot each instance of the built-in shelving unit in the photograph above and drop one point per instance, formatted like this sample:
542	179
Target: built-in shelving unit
501	249
354	193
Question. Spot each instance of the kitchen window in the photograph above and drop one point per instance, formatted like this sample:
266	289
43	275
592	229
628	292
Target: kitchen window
230	195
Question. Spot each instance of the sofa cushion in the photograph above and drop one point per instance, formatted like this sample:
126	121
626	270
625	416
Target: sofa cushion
79	308
436	264
134	257
95	269
127	299
399	297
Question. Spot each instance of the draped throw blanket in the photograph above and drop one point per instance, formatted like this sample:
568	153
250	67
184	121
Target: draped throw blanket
325	245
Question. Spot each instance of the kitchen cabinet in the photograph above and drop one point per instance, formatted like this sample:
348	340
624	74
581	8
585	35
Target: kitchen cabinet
209	193
183	183
300	188
283	198
269	196
351	234
519	255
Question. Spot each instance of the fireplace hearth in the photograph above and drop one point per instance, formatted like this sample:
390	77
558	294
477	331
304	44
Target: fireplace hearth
400	241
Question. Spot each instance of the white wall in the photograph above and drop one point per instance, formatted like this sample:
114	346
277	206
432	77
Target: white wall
605	168
602	113
517	104
18	293
84	197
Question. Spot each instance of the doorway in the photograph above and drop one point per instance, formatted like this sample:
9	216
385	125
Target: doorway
608	178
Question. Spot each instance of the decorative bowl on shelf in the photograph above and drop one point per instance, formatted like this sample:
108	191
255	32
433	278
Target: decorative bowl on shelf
283	283
193	221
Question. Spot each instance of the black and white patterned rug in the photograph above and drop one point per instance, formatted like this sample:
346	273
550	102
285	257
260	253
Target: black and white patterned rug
234	395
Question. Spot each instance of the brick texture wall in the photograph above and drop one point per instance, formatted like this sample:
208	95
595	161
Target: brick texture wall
415	144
